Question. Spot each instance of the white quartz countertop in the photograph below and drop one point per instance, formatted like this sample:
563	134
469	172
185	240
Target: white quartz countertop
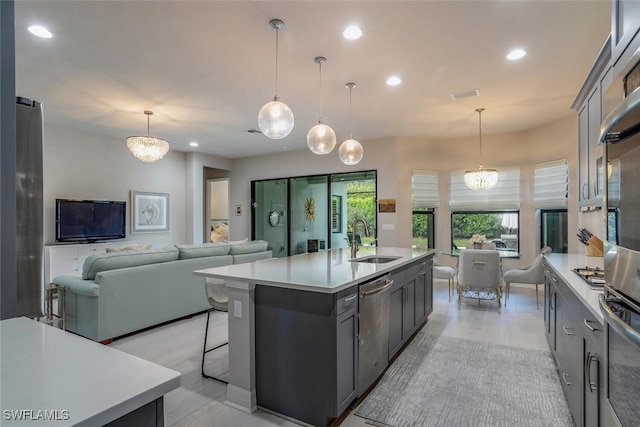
563	265
325	271
47	369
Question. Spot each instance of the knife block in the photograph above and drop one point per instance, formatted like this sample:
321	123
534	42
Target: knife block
594	247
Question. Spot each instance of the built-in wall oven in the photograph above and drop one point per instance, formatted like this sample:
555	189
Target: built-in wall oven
620	302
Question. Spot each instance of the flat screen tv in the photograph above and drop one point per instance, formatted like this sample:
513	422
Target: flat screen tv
89	220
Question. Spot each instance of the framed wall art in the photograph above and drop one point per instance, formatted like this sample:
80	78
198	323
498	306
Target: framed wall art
149	212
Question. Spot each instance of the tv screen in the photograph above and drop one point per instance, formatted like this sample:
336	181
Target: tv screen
89	220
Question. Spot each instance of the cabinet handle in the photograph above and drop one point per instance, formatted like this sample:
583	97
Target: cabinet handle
587	324
551	307
595	189
564	328
587	372
554	279
564	378
584	186
351	298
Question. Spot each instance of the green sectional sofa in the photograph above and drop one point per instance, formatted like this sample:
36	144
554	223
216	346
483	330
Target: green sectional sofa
126	291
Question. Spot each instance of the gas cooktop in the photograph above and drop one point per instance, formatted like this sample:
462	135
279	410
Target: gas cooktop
594	277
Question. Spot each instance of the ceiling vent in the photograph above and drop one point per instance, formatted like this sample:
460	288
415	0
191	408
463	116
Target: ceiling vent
465	94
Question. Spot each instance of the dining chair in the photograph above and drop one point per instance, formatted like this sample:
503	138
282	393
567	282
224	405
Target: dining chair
216	290
479	275
533	275
445	272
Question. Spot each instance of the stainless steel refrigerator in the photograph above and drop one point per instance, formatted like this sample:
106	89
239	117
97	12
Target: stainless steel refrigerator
29	205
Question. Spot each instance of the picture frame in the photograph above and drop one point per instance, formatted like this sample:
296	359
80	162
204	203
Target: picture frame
149	212
387	205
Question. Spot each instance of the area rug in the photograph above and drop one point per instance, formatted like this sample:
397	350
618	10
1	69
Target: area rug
443	381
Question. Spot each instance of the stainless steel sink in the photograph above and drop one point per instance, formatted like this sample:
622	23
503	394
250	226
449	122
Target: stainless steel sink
376	259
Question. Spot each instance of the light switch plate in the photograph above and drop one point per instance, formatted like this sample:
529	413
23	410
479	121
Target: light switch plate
388	226
237	308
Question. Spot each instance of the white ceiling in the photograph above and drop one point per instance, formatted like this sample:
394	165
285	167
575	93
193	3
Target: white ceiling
205	68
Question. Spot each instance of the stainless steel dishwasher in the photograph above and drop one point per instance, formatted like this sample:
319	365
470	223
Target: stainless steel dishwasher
373	331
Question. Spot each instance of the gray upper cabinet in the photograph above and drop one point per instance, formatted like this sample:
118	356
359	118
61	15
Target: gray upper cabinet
625	22
588	104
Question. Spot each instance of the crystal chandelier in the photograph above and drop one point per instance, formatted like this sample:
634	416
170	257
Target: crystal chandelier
321	138
481	179
350	151
275	118
147	148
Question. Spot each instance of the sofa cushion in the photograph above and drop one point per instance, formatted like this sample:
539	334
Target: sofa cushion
203	250
113	260
238	248
129	248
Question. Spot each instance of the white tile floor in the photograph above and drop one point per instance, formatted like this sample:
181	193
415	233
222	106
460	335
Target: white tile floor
200	401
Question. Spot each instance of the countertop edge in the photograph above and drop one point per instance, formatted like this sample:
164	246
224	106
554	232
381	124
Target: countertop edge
587	296
384	269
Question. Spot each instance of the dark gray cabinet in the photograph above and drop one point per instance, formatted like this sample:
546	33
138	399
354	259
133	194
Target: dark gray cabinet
576	340
593	360
306	352
411	301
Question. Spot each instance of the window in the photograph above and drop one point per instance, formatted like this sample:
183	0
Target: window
499	227
493	213
554	226
550	195
422	227
425	197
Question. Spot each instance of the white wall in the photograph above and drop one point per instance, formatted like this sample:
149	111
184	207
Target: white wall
93	166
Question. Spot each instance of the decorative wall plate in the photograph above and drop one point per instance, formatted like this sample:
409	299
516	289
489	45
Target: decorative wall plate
274	218
310	209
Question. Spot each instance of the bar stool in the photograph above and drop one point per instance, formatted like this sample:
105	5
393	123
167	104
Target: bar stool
216	290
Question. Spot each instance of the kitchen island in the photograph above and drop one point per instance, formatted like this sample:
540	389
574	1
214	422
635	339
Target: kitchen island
296	326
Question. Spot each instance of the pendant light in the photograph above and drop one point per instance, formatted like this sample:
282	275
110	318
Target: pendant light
147	148
321	138
481	179
350	151
275	118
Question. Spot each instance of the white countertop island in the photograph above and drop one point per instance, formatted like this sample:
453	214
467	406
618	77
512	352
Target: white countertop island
324	271
53	377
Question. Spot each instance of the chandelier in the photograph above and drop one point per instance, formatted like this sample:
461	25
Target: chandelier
480	179
350	151
275	118
321	138
147	148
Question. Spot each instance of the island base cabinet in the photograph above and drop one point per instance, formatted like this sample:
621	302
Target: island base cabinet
306	352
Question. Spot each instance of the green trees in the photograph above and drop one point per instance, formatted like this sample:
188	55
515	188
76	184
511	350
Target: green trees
361	203
466	225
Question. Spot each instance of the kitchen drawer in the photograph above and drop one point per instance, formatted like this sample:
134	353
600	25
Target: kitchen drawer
346	299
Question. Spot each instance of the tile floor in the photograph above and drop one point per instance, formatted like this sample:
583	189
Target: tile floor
200	401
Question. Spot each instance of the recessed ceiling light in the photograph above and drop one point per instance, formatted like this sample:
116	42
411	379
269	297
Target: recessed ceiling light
40	31
352	32
516	54
193	144
394	81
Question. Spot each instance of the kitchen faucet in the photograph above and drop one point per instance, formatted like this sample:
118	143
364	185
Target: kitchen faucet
354	242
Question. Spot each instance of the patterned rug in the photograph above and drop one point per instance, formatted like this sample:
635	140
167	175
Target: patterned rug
442	381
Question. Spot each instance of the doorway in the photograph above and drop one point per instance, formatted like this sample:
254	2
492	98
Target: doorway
217	210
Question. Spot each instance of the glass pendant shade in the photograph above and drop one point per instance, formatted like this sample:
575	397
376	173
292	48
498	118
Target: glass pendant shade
321	139
350	152
275	119
481	179
147	148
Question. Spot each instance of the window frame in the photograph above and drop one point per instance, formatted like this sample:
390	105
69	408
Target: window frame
431	219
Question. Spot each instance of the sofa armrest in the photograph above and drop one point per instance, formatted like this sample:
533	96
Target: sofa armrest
78	285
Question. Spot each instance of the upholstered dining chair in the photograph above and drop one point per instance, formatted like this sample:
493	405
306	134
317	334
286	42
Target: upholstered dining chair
479	275
216	290
445	272
485	245
533	275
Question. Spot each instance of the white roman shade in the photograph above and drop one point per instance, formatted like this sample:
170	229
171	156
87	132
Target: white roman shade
424	189
505	195
551	184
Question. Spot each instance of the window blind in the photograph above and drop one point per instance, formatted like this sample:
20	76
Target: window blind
424	189
505	195
551	184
